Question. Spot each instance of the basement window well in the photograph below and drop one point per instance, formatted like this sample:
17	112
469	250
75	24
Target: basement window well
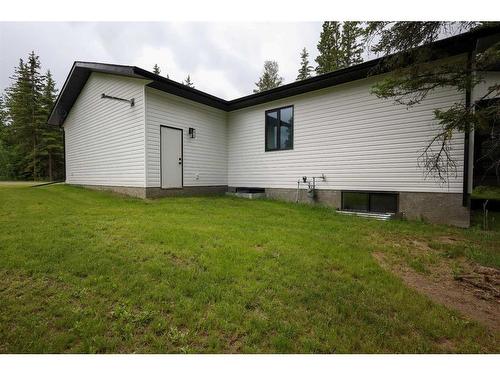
364	201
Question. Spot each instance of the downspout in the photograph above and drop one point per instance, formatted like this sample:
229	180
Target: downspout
468	94
64	151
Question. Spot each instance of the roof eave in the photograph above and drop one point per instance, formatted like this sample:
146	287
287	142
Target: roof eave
81	71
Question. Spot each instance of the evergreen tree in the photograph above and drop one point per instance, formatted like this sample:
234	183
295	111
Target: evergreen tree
351	44
34	148
305	69
52	149
23	103
156	69
329	47
3	118
188	81
5	156
340	46
270	77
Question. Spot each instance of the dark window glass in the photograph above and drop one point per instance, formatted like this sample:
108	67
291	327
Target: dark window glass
355	201
272	130
286	123
279	129
381	202
372	202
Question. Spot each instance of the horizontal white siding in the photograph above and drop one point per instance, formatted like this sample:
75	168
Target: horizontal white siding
104	137
357	140
204	156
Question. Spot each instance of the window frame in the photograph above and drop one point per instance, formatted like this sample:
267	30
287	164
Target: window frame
369	193
278	134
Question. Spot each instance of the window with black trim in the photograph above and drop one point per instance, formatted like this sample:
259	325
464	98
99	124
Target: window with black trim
279	129
368	201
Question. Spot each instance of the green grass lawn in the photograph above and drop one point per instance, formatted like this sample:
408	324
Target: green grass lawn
85	271
486	192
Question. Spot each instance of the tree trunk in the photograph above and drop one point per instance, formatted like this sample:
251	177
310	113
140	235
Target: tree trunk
34	157
50	167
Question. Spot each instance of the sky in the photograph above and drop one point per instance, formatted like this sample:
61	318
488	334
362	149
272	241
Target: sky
223	59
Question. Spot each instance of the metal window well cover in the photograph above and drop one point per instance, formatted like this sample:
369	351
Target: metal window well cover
370	215
247	195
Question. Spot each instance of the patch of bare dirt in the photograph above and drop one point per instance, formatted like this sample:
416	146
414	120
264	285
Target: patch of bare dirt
473	292
446	345
448	240
259	247
177	260
420	245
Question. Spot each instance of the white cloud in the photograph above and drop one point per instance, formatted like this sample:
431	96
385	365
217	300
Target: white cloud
215	81
223	59
164	57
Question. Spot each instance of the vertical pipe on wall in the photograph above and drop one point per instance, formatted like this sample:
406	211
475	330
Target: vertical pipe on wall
64	151
468	89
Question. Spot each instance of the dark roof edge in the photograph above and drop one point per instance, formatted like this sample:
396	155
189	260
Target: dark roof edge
68	94
179	89
457	44
310	84
356	71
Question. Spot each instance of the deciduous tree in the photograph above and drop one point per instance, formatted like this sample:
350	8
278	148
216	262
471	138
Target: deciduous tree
270	77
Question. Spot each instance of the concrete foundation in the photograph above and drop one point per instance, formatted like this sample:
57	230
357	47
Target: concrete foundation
140	192
186	191
438	208
331	198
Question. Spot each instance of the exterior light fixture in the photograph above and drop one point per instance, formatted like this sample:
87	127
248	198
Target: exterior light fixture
192	133
131	101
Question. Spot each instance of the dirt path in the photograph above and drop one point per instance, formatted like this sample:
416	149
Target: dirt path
475	294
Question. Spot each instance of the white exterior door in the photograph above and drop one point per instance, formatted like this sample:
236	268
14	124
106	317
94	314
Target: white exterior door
171	157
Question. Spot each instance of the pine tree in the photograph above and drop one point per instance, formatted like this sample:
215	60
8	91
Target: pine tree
3	118
329	47
188	81
37	117
305	69
26	115
34	148
270	77
52	148
5	156
340	46
156	69
351	45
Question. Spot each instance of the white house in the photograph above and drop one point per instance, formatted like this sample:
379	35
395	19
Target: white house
129	130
